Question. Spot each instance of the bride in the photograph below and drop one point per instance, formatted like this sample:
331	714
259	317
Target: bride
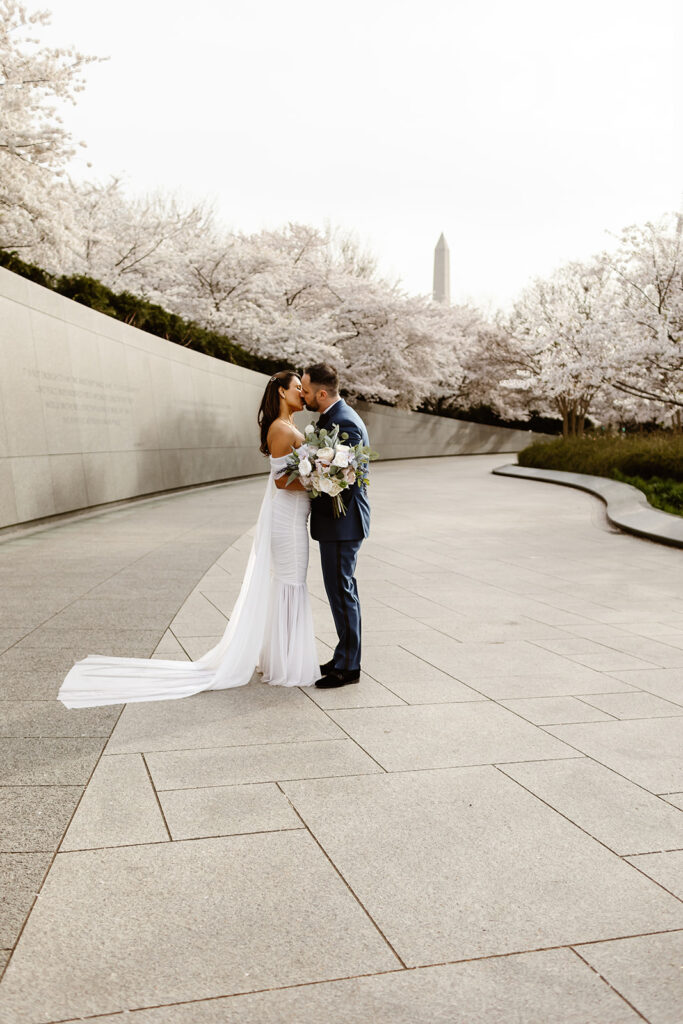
271	626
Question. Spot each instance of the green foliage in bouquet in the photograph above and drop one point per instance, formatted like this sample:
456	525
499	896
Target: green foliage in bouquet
325	464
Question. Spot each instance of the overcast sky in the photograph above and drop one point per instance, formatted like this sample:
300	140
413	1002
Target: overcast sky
522	129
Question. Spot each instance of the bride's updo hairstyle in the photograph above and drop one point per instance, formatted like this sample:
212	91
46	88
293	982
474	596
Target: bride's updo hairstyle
269	410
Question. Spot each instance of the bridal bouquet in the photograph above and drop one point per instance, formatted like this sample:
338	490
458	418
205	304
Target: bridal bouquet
325	465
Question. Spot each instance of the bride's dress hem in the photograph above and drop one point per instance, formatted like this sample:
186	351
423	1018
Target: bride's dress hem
279	642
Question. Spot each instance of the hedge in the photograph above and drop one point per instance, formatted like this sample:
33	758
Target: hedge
652	462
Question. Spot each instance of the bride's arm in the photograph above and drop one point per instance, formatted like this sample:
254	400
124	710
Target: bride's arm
281	482
280	442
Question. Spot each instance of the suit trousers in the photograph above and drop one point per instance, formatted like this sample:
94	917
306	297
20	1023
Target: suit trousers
338	559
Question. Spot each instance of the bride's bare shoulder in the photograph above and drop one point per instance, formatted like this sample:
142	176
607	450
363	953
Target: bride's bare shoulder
282	438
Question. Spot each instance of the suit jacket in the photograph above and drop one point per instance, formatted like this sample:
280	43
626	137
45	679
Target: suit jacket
356	523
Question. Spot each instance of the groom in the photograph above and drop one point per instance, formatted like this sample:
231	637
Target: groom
340	539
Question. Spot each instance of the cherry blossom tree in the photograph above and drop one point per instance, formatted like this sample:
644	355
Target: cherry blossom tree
34	145
648	267
133	244
563	334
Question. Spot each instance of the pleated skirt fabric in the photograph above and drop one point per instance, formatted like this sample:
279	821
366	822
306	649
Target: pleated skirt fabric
288	655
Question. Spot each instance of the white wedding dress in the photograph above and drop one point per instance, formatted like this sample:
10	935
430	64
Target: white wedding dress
270	628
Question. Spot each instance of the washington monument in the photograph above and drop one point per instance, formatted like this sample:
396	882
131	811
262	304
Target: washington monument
442	272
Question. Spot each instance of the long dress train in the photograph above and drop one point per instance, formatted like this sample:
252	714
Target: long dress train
271	625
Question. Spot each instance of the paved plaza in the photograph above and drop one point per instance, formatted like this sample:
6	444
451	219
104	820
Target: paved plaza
486	830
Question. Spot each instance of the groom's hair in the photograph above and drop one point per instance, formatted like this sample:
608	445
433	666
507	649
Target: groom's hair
324	376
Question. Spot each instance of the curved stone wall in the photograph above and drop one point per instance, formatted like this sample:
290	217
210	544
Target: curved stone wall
94	411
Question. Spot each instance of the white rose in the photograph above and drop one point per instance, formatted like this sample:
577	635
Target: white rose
341	458
349	474
325	454
305	467
309	428
329	486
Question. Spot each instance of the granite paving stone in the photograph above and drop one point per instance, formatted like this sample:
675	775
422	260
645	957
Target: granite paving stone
412	678
102	613
654	630
178	921
505	628
634	705
198	617
664	652
494	594
33	673
51	718
467	896
118	808
272	762
144	585
649	752
169	648
8	637
222	598
621	815
477	663
555	710
47	761
222	718
646	970
20	878
412	605
367	693
603	633
445	735
29	612
545	613
601	657
664	682
227	810
577	681
196	647
118	643
379	619
33	818
4	957
665	868
552	987
673	640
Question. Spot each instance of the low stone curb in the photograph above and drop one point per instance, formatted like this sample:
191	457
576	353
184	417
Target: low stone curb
627	507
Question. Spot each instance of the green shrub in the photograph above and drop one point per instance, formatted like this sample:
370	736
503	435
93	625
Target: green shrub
647	456
666	495
653	463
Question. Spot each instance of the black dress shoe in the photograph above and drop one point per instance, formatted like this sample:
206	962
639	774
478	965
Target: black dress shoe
338	677
327	667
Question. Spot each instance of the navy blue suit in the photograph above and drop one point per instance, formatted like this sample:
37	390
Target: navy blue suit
340	540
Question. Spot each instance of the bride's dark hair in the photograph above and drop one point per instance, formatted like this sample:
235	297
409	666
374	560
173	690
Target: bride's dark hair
269	409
